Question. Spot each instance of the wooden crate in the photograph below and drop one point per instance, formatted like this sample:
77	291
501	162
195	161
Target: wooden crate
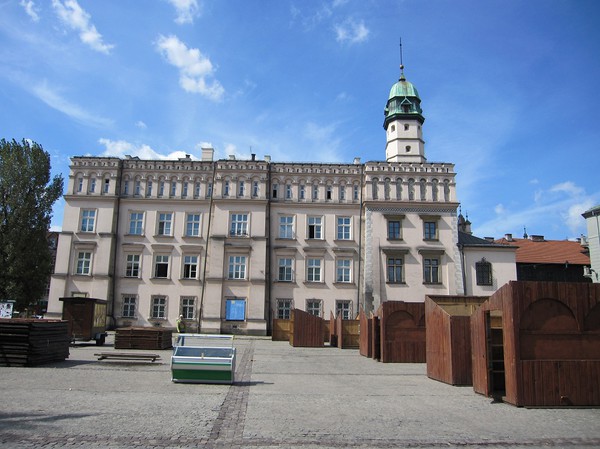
402	332
538	344
31	342
143	338
448	337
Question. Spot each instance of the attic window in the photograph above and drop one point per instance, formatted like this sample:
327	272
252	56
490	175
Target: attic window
406	127
407	148
393	128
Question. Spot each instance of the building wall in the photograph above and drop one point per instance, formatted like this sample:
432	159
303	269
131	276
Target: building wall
593	227
503	269
351	203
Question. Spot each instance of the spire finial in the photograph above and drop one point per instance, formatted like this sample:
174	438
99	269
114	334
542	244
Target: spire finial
525	232
402	77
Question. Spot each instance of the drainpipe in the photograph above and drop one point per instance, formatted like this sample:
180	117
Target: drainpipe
210	214
115	249
360	236
461	247
268	292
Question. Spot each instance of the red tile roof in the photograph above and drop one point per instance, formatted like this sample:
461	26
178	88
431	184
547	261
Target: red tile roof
548	251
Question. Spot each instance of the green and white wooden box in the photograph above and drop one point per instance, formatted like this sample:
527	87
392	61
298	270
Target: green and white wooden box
201	358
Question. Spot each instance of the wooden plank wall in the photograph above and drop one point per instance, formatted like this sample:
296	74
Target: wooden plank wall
376	340
448	337
333	335
366	334
402	332
551	343
307	330
281	330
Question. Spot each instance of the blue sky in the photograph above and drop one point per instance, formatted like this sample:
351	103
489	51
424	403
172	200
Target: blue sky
509	89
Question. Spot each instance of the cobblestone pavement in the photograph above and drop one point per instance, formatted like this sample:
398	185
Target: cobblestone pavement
283	397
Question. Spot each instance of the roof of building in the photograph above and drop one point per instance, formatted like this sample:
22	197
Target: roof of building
536	249
466	239
403	88
594	211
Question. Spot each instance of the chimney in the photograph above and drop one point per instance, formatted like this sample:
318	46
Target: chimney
356	161
267	158
207	154
253	157
232	157
508	237
537	238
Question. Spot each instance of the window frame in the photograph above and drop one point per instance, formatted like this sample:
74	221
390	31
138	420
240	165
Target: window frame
138	221
314	269
484	273
187	304
190	269
343	270
193	222
133	266
285	269
87	222
343	228
284	308
392	267
311	309
163	263
239	227
158	307
286	227
83	265
432	271
165	225
317	228
237	267
128	306
345	311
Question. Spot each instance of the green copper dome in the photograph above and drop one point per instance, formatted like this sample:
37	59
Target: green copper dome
403	103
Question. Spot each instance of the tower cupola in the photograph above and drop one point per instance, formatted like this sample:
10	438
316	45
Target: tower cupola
403	119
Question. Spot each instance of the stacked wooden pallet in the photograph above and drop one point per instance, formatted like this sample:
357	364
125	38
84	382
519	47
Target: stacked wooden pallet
30	342
143	338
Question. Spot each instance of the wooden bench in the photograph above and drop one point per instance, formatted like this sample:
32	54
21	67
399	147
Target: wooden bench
127	356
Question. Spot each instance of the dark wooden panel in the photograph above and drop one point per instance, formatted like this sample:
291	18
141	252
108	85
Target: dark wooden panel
281	330
366	334
307	330
402	332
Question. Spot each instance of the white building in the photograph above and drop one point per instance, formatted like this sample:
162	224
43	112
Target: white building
232	244
592	219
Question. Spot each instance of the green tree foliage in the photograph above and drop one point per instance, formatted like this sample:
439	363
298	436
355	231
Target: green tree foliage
26	197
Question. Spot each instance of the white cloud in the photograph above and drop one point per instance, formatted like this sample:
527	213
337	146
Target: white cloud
54	100
140	124
78	19
193	67
351	31
569	188
572	217
500	209
186	10
122	148
30	9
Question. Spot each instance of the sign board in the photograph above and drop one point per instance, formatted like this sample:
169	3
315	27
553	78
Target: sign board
6	309
235	310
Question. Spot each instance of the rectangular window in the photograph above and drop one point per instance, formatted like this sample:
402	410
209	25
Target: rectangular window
288	191
173	189
286	227
132	267
342	193
315	227
92	185
161	189
197	190
431	271
136	223
88	220
79	184
343	308
343	228
188	307
302	192
137	190
239	225
129	306
395	270
394	230
149	188
329	193
226	189
159	307
192	225
161	266
343	270
275	191
483	271
84	263
164	223
313	306
235	309
106	185
284	309
430	230
190	267
313	273
126	188
237	267
315	192
184	191
285	270
241	188
355	193
209	189
255	189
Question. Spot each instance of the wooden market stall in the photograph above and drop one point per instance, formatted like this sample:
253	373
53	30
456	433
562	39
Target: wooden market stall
538	344
402	332
448	337
306	330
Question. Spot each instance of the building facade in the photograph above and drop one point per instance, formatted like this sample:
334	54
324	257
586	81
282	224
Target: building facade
231	244
592	221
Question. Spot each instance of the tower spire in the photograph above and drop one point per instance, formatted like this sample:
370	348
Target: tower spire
402	77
